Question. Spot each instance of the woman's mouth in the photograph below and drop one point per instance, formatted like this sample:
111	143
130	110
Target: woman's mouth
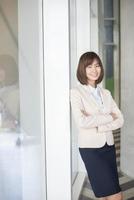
94	75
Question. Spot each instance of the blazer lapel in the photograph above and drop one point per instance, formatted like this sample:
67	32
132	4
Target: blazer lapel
86	91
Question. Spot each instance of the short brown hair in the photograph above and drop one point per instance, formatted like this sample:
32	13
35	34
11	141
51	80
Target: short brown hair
85	60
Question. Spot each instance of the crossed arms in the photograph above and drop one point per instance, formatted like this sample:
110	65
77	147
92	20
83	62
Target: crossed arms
104	122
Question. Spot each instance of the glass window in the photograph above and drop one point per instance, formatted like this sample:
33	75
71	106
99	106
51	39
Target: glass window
108	27
109	43
9	73
109	73
21	109
108	8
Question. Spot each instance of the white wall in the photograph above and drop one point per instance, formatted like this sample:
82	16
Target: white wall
127	81
83	27
94	26
73	64
57	109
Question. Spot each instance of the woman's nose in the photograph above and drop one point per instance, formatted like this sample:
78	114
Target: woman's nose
94	69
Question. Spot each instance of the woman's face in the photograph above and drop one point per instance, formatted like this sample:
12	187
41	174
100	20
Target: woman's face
93	71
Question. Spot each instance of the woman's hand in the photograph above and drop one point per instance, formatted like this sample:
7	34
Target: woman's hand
85	113
114	115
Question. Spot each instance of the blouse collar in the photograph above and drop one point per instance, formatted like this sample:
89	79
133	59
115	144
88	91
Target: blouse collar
94	90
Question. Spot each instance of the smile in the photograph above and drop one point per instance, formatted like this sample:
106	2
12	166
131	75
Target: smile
94	75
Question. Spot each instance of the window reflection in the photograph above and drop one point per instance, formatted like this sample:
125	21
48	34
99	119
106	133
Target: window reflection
21	107
9	94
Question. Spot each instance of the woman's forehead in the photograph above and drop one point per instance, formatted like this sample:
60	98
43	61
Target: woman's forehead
95	62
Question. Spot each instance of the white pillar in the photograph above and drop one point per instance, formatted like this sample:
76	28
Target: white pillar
127	81
57	108
83	26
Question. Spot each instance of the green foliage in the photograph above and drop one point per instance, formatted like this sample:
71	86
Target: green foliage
110	85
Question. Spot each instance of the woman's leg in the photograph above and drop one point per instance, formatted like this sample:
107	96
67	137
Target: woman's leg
118	196
103	198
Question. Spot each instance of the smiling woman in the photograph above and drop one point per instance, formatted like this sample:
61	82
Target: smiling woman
90	69
96	115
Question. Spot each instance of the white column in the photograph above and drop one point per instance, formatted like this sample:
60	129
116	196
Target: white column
57	109
127	81
83	26
94	26
83	42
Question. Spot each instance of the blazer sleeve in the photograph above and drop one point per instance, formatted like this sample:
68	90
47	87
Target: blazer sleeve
115	124
82	120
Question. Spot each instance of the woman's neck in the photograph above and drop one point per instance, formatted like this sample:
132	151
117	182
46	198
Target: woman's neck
93	84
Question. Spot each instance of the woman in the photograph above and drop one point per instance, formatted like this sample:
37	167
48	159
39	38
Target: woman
96	114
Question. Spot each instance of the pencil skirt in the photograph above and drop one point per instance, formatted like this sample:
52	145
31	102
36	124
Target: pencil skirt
101	167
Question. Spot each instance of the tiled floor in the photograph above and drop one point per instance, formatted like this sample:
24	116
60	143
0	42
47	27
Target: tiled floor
126	183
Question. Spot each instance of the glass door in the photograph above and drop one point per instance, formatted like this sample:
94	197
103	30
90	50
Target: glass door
22	141
109	44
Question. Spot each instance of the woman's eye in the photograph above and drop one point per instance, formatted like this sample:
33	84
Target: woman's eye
89	66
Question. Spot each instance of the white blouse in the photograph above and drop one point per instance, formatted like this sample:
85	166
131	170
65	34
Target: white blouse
96	94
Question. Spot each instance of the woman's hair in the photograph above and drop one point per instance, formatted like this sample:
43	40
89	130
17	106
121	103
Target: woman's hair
85	60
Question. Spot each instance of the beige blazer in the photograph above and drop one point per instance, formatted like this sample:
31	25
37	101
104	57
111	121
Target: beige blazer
95	129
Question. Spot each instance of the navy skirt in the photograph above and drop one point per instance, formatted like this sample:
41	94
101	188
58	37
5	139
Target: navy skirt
101	168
